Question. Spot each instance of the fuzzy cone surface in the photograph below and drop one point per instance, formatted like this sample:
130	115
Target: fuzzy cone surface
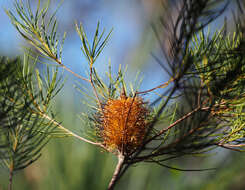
124	123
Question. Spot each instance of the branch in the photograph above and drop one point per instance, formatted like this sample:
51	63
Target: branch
175	123
233	147
159	86
10	187
92	84
75	74
51	55
117	171
181	169
70	132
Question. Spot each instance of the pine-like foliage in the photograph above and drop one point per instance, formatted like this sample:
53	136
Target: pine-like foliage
24	128
201	106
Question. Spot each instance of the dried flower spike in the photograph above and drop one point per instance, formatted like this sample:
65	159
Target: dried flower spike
124	124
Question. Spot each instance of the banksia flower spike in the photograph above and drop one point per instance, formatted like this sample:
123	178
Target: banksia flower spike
123	124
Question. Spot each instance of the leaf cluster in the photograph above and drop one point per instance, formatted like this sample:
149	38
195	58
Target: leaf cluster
208	73
92	52
34	28
202	108
23	129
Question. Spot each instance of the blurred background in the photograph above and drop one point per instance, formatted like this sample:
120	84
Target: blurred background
70	164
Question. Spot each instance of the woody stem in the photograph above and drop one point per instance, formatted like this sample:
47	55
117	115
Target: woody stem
10	179
117	171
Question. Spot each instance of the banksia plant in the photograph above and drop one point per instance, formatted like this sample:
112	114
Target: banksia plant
123	124
200	106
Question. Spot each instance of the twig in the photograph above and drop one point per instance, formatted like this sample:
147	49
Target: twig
233	147
92	84
159	86
70	132
75	74
181	169
175	123
51	55
69	70
126	121
117	171
10	179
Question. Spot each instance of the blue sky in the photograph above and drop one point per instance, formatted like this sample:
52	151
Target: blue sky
123	17
129	20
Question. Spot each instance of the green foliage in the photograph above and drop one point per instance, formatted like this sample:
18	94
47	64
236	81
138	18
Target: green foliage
33	27
202	108
92	52
24	131
220	65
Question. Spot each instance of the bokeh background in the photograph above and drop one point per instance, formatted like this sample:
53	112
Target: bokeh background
70	164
